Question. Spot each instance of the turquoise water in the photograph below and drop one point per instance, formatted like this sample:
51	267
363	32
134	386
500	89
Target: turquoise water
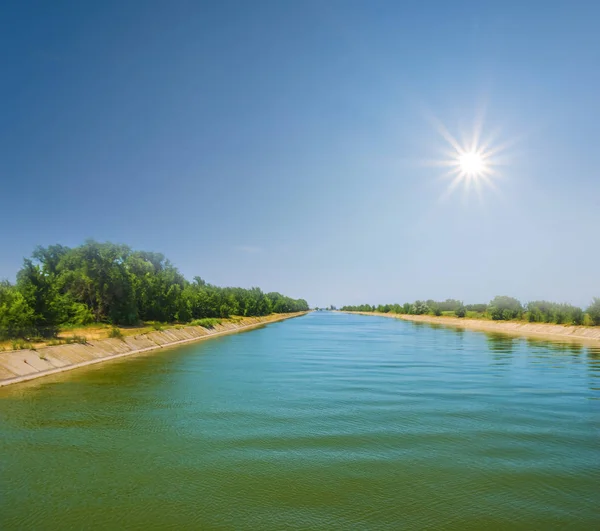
328	421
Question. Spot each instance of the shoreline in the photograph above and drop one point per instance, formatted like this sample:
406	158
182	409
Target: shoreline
23	365
552	332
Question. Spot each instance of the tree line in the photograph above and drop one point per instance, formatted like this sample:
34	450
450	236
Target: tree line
501	308
111	283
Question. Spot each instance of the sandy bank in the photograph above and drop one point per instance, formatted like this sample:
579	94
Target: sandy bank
581	334
22	365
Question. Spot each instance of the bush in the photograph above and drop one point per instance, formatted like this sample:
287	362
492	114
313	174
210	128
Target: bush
553	312
479	308
207	322
76	339
419	308
504	308
461	311
578	316
594	311
115	333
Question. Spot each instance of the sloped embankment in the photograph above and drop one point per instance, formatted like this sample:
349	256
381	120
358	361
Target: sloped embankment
583	334
21	365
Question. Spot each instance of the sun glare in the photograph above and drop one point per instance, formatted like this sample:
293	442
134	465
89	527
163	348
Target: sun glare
471	164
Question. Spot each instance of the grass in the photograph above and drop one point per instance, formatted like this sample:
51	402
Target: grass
83	334
21	344
116	333
207	322
82	340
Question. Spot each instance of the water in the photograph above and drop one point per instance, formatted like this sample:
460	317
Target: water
328	421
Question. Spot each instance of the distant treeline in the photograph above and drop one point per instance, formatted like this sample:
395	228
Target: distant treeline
501	308
105	282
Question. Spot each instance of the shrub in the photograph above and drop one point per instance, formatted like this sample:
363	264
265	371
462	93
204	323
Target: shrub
504	308
594	311
76	339
578	316
553	312
461	311
479	308
115	333
419	308
207	322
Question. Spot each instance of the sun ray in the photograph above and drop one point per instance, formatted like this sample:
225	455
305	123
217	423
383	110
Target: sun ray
473	163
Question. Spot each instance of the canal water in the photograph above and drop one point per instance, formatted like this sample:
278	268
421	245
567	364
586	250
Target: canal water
328	421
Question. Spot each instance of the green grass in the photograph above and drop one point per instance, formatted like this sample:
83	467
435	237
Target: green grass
94	325
476	315
115	333
68	341
207	322
21	344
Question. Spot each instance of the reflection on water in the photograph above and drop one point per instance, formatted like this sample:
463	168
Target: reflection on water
593	353
563	346
501	343
329	421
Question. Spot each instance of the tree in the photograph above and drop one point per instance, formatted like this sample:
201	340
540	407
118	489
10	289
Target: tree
594	311
420	308
505	308
17	318
37	288
107	282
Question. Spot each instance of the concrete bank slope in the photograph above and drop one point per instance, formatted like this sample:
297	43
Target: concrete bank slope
581	334
22	365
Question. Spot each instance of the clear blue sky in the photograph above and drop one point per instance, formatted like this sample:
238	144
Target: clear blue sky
281	144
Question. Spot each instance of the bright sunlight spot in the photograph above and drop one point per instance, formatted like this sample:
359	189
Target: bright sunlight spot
472	164
473	161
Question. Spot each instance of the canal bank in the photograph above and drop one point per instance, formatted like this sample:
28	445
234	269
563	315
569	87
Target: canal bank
589	335
22	365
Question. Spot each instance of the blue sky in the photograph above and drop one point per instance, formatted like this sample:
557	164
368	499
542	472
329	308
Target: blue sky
288	144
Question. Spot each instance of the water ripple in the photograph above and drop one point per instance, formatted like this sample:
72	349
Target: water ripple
328	421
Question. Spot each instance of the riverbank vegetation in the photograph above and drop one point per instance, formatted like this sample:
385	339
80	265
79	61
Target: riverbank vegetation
105	284
501	308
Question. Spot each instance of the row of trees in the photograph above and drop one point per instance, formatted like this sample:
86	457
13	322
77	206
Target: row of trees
105	282
500	308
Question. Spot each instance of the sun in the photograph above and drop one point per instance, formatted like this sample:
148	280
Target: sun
473	161
472	164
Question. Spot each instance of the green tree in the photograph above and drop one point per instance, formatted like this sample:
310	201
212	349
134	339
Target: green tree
594	311
460	311
505	308
17	318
